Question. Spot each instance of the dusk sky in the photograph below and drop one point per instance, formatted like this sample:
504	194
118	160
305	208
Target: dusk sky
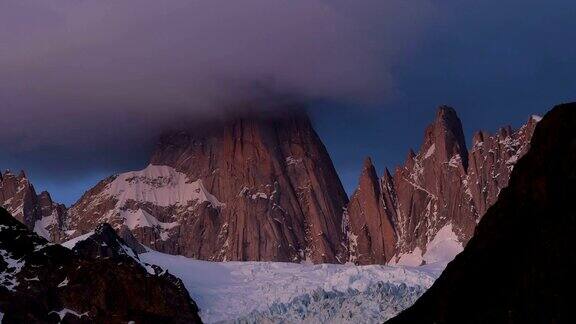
86	85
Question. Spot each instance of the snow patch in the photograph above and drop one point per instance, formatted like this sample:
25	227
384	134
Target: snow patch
62	313
70	244
258	195
160	185
444	247
64	283
13	267
292	161
455	161
430	151
412	259
439	251
140	218
41	226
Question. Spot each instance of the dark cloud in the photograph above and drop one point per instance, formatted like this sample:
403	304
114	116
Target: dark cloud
87	84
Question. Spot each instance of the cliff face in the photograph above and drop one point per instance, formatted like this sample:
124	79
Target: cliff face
436	198
249	188
518	266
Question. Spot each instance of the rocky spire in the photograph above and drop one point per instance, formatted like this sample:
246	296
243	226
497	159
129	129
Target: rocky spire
447	136
371	224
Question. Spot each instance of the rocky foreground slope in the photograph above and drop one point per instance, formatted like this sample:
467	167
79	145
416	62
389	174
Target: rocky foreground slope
100	281
518	267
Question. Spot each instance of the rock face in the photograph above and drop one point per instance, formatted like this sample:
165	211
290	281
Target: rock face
434	201
253	187
47	283
38	212
518	267
371	228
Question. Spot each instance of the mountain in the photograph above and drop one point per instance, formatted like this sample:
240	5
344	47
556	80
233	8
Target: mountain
262	187
42	282
257	187
38	212
428	210
518	267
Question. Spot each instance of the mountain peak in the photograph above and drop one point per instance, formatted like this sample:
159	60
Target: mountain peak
258	166
447	135
22	174
369	177
445	112
369	220
367	163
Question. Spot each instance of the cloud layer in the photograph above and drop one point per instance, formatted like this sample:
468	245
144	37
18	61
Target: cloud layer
110	71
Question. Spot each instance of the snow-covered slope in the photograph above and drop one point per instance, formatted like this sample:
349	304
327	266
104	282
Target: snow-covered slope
255	291
158	184
443	248
151	203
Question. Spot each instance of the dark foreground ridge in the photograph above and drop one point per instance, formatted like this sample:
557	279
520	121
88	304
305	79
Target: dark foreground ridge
519	265
47	283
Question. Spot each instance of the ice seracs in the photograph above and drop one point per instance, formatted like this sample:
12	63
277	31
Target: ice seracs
227	291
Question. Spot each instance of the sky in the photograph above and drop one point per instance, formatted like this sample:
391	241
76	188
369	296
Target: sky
87	85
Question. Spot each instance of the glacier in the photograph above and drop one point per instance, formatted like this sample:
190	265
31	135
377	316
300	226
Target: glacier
255	292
